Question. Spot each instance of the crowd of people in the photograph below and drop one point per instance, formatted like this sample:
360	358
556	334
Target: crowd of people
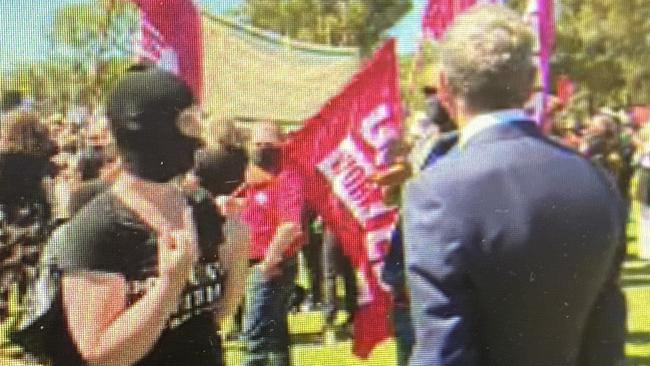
128	237
153	168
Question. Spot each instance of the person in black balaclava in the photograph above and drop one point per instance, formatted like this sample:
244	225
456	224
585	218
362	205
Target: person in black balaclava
140	113
141	271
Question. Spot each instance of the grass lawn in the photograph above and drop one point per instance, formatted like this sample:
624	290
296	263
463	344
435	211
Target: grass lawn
635	279
310	349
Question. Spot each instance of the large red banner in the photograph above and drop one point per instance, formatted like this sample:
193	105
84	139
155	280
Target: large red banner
171	37
339	150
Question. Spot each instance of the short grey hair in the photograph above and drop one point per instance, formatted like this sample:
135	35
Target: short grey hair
487	56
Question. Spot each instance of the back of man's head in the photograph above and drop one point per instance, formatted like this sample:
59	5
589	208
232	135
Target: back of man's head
487	58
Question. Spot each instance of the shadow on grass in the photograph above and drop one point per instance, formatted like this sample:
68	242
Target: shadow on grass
637	275
643	269
636	282
638	361
638	338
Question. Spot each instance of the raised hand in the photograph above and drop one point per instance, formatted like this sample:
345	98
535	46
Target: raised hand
177	253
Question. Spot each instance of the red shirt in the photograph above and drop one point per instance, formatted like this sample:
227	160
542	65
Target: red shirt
268	205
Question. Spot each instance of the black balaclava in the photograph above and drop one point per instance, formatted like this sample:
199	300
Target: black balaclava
143	111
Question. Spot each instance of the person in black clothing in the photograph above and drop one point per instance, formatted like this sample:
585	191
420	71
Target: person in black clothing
142	274
25	151
603	145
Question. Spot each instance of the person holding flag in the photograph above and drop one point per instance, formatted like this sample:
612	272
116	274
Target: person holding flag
274	210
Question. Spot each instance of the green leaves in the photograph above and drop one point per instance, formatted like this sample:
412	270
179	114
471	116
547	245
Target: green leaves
604	45
92	47
358	23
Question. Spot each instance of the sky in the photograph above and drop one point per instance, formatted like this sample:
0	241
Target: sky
25	24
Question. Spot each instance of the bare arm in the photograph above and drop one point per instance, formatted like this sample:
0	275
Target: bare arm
234	255
105	332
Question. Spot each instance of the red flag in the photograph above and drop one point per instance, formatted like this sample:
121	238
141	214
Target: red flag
353	133
439	14
565	89
541	15
546	19
171	37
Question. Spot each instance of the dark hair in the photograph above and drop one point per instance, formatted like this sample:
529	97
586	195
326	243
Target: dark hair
429	90
23	133
11	99
25	152
89	163
221	168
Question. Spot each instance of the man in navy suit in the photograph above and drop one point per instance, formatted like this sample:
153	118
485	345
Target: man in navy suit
513	243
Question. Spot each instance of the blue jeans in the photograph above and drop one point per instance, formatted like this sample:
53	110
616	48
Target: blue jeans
265	324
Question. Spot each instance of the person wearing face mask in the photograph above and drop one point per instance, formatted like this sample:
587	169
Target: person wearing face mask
273	212
139	269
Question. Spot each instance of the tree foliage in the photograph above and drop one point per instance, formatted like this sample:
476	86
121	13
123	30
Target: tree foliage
358	23
418	71
604	46
91	43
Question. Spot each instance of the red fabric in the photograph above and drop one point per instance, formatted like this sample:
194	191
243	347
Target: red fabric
270	204
172	38
439	14
337	151
565	89
640	115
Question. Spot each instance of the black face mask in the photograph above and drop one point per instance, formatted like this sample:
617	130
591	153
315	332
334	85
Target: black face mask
164	161
438	114
268	158
221	170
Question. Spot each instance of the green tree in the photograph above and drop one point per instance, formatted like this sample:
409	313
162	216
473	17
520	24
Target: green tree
96	39
416	72
357	23
91	45
604	45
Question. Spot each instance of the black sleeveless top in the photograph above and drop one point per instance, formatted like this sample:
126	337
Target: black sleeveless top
106	236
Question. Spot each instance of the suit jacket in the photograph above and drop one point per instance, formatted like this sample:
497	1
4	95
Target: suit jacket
394	269
513	250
